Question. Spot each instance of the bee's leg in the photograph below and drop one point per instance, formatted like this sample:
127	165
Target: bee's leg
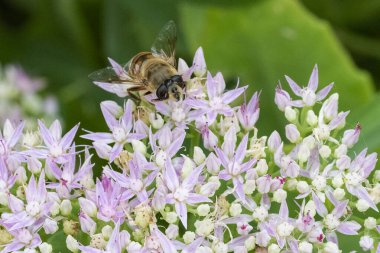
134	97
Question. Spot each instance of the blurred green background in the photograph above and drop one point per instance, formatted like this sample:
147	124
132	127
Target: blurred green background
255	41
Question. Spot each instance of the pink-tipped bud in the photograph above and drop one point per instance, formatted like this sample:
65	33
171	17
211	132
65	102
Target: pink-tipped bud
87	224
199	63
282	98
330	107
274	141
212	164
263	183
351	137
292	133
50	226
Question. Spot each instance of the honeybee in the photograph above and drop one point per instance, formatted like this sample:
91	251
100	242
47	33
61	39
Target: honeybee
148	72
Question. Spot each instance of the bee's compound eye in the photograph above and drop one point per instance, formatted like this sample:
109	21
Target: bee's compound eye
162	92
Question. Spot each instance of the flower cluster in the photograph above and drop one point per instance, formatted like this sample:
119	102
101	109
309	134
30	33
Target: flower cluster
192	176
20	98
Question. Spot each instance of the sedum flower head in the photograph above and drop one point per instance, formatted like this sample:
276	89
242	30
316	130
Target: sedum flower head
193	175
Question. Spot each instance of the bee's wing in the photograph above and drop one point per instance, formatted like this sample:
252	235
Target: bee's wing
108	80
104	75
164	45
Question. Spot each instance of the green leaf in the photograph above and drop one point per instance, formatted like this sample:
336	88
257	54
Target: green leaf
262	41
368	117
58	240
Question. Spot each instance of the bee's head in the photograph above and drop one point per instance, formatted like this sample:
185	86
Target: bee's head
162	92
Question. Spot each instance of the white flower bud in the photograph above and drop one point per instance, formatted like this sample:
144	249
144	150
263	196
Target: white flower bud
260	213
311	118
274	141
3	198
284	229
199	63
125	238
250	243
331	247
303	187
107	231
66	207
199	156
309	141
204	227
319	182
235	209
292	133
321	196
362	205
351	136
274	248
21	177
188	237
291	184
305	247
262	167
72	244
339	193
45	248
376	176
370	223
20	192
88	207
263	183
50	226
139	146
249	187
203	210
187	168
337	181
366	243
279	195
290	114
172	231
340	151
171	217
303	153
54	209
375	193
213	164
156	120
325	151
